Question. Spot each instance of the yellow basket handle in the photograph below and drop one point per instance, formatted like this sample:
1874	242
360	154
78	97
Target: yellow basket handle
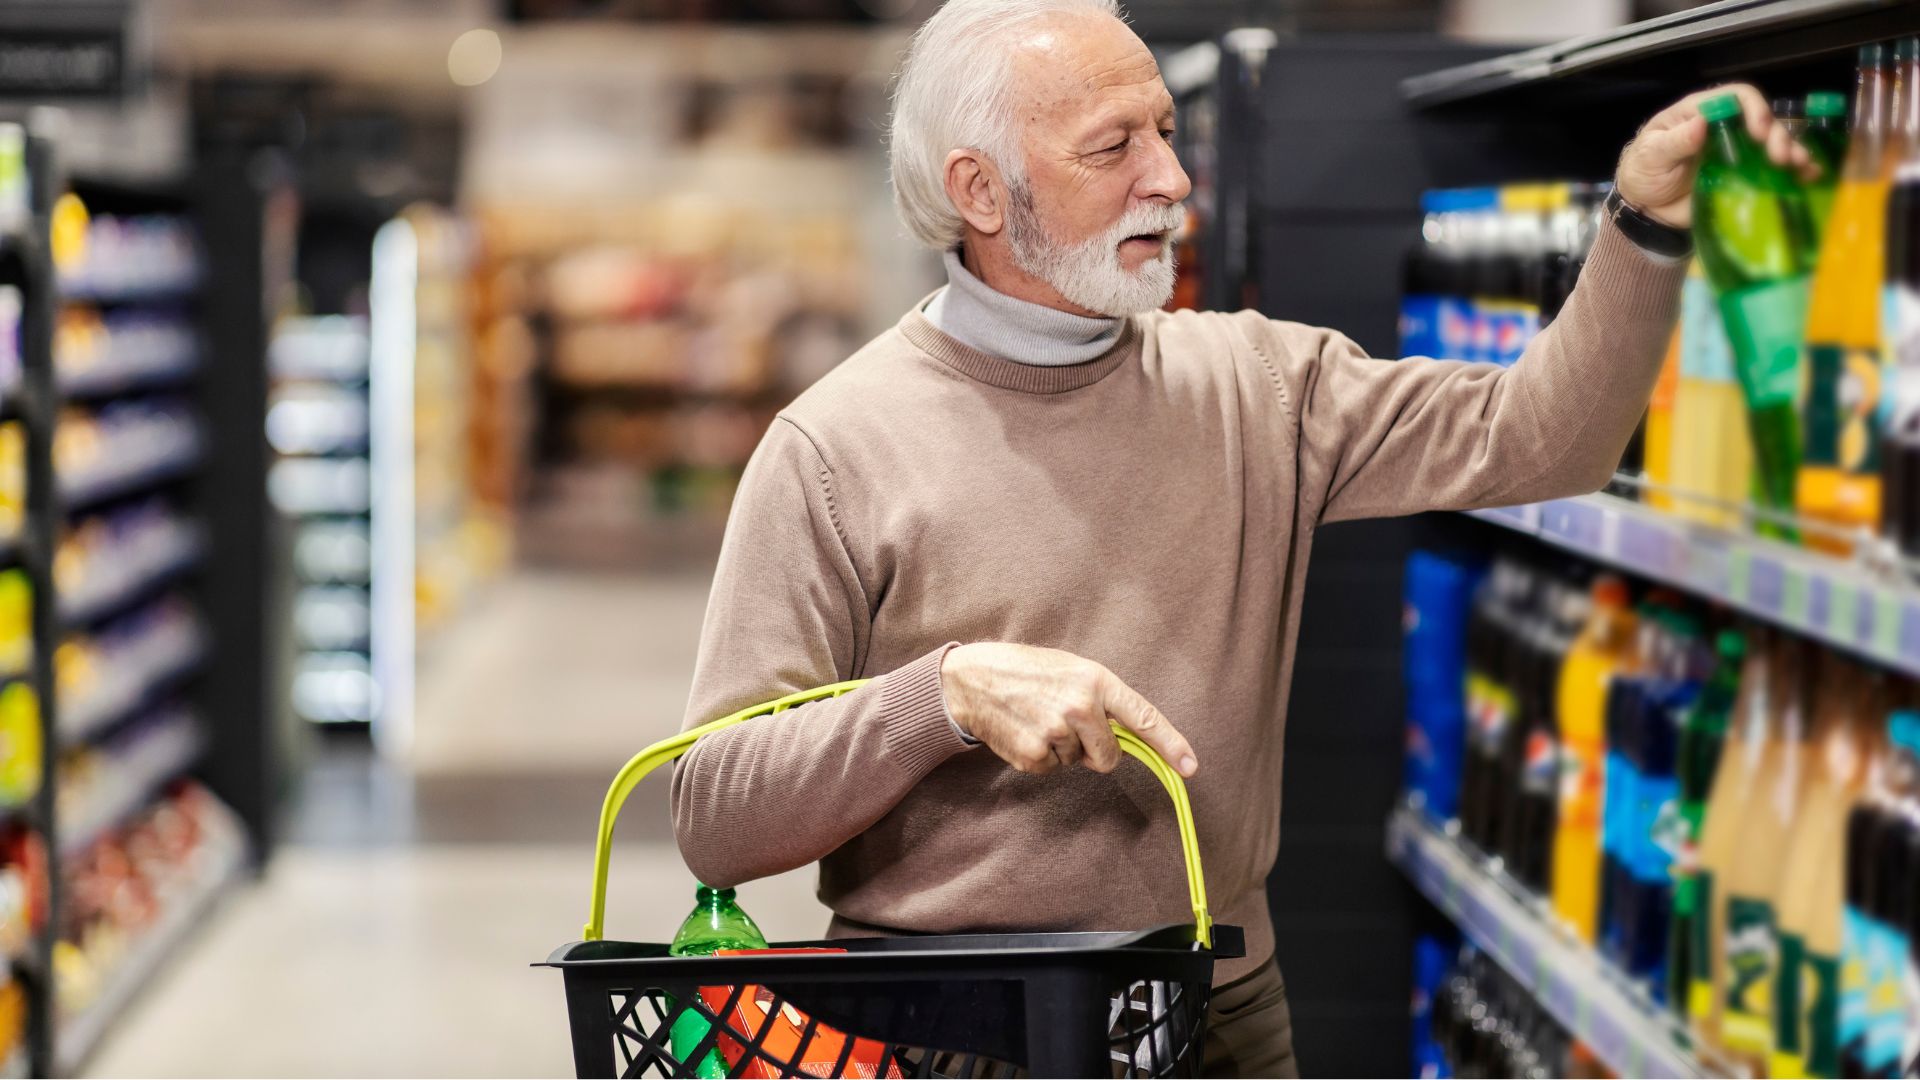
666	750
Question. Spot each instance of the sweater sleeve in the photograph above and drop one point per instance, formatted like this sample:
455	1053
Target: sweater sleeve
789	613
1380	438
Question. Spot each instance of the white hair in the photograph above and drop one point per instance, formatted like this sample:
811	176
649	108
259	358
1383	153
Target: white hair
954	93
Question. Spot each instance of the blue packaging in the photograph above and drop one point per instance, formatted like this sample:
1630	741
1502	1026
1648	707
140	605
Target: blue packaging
1438	600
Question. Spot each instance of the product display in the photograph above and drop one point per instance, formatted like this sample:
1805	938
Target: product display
1485	1025
1722	897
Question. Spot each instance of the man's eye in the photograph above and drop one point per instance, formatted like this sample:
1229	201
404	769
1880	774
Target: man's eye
1167	135
1116	147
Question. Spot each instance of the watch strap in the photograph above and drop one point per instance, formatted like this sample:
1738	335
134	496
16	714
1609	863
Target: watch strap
1650	236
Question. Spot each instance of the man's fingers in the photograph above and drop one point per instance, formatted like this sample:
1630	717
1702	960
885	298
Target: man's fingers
1780	146
1134	713
1099	749
1681	142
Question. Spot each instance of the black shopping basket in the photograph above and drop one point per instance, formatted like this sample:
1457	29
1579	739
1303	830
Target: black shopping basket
1067	1004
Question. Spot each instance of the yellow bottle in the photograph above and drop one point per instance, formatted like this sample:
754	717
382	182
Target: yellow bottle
1839	479
1711	455
1727	802
1603	649
1657	455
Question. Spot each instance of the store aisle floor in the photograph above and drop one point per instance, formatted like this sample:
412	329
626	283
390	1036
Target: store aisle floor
391	934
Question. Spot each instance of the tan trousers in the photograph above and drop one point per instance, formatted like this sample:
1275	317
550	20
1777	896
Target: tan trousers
1249	1030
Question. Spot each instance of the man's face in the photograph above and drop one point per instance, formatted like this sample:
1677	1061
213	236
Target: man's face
1103	186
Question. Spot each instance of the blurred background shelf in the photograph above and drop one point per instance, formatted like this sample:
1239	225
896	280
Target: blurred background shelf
1628	1031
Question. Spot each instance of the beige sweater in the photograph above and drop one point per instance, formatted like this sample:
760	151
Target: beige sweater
1152	510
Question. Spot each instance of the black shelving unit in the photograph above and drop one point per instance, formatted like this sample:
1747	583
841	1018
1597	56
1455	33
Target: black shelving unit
164	710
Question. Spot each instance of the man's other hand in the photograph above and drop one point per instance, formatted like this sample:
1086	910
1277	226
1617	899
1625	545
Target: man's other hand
1657	168
1039	709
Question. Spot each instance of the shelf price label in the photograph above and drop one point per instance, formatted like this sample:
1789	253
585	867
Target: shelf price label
1819	613
1910	634
1765	585
1645	547
1576	524
1709	566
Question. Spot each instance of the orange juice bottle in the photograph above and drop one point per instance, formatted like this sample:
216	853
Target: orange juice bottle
1841	415
1603	649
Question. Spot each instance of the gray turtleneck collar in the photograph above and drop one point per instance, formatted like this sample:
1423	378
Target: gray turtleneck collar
973	313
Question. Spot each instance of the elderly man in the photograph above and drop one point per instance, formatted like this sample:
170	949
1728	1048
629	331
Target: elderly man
1039	503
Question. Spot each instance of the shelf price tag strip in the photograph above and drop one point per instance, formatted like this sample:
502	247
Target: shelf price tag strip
1626	1032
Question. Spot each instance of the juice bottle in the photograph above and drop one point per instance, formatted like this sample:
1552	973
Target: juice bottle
1893	994
1807	993
1702	734
1657	447
1841	419
1601	650
1710	454
1825	138
1755	880
1900	334
1748	227
1733	789
1859	939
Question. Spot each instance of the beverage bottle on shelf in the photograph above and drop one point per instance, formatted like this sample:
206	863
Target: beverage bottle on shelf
1711	454
1602	650
1825	138
1702	733
1791	114
1652	820
717	922
1632	694
1806	1019
1657	431
1893	994
1727	807
1439	592
1900	332
1426	284
1492	632
1749	231
1841	419
1537	779
1755	879
1860	933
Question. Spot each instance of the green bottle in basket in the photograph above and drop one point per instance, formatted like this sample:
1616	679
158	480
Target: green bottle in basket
715	923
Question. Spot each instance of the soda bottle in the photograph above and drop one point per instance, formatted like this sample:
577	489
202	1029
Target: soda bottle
1711	451
715	923
1748	233
1825	138
1703	731
1900	333
1859	937
1842	419
1602	650
1652	818
1893	993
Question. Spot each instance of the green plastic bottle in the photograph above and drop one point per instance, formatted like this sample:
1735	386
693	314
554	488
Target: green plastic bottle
1703	732
1825	138
1749	226
716	922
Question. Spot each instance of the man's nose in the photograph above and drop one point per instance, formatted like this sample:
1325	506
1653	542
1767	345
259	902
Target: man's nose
1165	178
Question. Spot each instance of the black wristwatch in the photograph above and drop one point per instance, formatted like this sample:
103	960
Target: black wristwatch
1652	237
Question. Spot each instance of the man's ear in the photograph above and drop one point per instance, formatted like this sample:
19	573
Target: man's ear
976	190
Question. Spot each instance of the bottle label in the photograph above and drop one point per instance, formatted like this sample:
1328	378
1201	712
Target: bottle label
1842	409
1820	1024
1902	336
1764	326
1886	998
1580	784
1856	976
1540	768
1705	355
1700	948
1420	325
1789	1052
1655	818
1753	963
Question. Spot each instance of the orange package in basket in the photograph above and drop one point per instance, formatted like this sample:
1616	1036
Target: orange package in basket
782	1040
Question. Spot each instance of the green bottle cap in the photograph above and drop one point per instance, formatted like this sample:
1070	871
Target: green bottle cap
1731	645
1716	109
1907	48
1873	55
1826	103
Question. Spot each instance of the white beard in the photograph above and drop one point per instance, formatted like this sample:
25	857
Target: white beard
1090	273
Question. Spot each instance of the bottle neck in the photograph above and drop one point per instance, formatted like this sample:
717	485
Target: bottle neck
1872	103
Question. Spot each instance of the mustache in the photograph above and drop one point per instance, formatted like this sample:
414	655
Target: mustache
1148	218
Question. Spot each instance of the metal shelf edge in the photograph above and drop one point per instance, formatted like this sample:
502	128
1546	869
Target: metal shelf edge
1569	979
1801	590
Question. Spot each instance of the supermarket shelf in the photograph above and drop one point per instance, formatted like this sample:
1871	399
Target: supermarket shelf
1726	36
184	553
121	476
222	859
1629	1032
114	808
102	382
104	709
1843	603
156	291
